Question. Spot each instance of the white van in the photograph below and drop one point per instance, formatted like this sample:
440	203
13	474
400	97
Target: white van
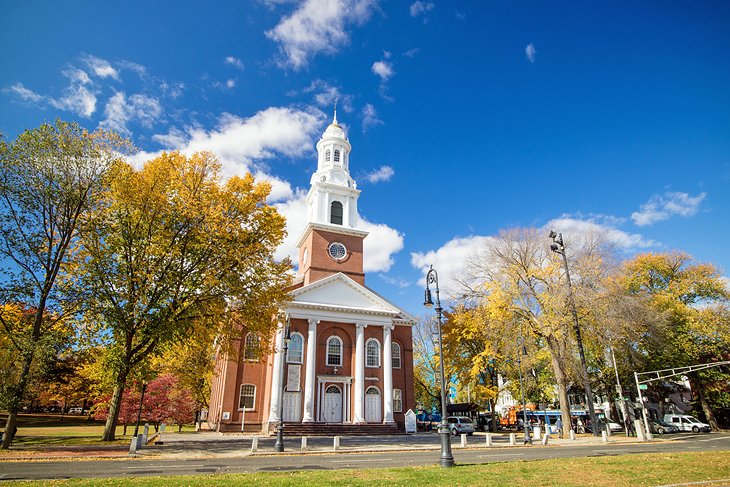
687	423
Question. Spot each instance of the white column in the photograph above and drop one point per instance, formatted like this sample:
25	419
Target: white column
360	374
387	374
309	381
276	374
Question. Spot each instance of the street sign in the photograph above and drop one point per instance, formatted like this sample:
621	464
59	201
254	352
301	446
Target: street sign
643	387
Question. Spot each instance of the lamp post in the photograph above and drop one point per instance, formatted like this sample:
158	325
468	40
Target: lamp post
139	411
559	248
523	351
279	444
447	459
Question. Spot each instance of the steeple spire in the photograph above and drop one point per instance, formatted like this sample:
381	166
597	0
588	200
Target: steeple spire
334	119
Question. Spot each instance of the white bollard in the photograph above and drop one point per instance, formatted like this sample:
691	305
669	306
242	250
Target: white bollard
336	445
489	439
133	446
463	440
604	436
572	434
536	430
545	439
608	430
512	439
254	444
639	430
304	443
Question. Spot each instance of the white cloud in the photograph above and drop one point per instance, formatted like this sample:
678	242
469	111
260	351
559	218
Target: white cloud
383	173
231	83
664	206
240	143
119	112
173	90
394	281
530	52
318	26
100	67
379	246
24	93
577	229
325	96
77	76
235	62
137	68
77	99
370	117
450	260
384	69
420	8
411	52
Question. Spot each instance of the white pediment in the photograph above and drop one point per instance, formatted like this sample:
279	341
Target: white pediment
340	293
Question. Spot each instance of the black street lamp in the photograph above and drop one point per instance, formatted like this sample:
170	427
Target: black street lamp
279	444
447	459
558	247
139	411
523	351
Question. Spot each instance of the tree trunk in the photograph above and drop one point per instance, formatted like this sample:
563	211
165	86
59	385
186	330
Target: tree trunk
11	424
114	406
556	359
709	415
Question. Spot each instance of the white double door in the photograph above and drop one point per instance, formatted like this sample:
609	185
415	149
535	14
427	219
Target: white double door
292	410
333	404
373	406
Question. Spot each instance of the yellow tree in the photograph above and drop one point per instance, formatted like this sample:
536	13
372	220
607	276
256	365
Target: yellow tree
474	346
526	292
171	245
693	298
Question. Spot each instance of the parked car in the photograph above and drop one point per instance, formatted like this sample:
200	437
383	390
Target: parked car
661	427
686	422
460	424
615	427
76	410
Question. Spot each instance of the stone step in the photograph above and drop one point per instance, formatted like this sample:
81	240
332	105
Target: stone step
324	429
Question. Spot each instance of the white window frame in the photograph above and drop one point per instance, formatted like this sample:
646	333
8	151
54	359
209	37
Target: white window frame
393	348
340	355
367	353
289	359
327	155
336	157
240	398
397	401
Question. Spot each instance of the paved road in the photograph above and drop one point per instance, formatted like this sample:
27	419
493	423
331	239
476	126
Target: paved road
41	470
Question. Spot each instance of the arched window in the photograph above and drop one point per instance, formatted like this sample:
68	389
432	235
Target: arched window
373	390
295	351
372	353
337	155
397	401
395	354
336	213
327	155
251	347
334	352
247	399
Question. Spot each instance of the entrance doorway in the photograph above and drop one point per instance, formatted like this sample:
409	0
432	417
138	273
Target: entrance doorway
373	405
333	404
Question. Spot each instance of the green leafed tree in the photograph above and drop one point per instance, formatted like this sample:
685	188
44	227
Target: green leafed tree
173	245
49	180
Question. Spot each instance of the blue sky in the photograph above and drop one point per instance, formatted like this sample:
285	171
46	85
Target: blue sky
465	117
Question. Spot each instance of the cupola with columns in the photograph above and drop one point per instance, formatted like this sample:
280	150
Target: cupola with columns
331	242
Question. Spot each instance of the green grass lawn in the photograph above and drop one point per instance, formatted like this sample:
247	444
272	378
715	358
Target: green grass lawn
624	470
39	430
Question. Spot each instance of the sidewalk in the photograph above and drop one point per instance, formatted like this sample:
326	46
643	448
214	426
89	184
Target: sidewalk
216	445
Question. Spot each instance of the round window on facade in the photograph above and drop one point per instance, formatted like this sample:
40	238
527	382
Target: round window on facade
337	251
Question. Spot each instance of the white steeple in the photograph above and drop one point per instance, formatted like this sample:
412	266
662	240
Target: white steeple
332	198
